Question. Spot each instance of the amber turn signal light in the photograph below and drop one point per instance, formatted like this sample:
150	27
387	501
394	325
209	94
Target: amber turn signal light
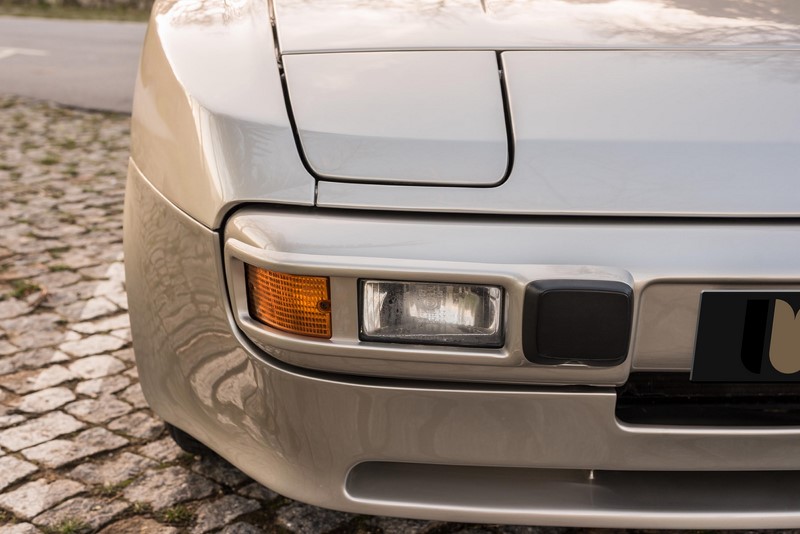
297	304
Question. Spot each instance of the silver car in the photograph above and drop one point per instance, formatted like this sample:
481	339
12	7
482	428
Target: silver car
509	261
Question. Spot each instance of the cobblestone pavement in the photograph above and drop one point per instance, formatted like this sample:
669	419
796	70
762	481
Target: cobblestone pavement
79	449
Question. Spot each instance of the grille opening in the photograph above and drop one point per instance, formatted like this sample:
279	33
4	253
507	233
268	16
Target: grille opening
671	399
542	496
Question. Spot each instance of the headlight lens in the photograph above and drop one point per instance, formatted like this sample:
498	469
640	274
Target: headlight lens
432	313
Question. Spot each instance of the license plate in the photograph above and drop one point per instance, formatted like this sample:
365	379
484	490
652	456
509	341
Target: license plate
748	336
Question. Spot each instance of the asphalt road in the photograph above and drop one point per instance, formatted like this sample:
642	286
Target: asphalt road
89	64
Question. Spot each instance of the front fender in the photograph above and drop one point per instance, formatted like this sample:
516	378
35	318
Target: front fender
210	127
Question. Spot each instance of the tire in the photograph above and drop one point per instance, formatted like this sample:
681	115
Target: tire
187	442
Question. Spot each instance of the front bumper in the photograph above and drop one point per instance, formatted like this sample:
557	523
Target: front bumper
486	452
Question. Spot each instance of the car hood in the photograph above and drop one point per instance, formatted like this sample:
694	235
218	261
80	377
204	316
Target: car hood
346	25
585	107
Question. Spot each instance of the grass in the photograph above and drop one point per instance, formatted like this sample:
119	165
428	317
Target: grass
185	459
177	515
112	490
56	252
73	12
23	288
140	508
68	526
50	160
58	267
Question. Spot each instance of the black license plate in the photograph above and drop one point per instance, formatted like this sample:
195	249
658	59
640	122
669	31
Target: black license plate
748	336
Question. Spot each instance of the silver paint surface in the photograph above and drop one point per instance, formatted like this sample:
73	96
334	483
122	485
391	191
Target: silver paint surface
400	117
667	263
339	25
301	433
210	127
698	120
633	133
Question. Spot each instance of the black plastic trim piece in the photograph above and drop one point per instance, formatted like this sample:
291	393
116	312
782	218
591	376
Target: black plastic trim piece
670	398
577	322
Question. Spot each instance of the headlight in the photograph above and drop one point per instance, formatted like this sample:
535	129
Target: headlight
431	313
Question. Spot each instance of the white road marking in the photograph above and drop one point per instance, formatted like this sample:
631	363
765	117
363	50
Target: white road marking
8	52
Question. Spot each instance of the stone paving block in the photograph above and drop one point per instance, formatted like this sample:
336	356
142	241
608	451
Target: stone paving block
134	395
219	470
241	528
138	525
40	430
125	355
138	425
13	469
116	271
57	279
69	335
31	359
58	231
96	272
27	325
163	488
113	471
97	307
397	525
103	325
133	372
45	400
163	450
13	308
120	299
25	269
59	452
92	511
105	386
218	513
67	304
28	244
35	497
259	492
28	381
123	333
96	366
7	420
98	410
43	338
7	348
515	529
19	528
306	519
95	344
61	301
108	287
